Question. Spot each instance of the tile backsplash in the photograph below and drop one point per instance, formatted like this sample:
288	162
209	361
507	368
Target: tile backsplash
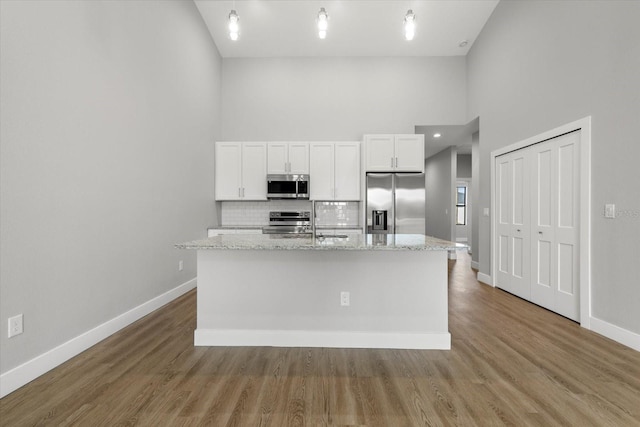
328	214
337	214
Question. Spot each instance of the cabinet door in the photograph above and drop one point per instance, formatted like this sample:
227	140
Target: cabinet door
379	153
277	157
299	157
321	171
409	153
347	171
228	173
254	171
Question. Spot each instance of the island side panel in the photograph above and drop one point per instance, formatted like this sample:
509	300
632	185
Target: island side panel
398	299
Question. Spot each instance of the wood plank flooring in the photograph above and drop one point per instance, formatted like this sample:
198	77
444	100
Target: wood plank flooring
511	363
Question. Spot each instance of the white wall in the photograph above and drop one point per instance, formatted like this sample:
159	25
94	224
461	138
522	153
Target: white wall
475	211
339	98
538	65
440	173
109	110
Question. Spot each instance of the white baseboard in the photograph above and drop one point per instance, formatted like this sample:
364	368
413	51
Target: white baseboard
616	333
28	371
484	278
475	265
334	339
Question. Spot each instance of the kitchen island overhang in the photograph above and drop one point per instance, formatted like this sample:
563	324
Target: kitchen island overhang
266	290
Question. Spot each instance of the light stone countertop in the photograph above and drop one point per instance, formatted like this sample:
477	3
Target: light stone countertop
355	242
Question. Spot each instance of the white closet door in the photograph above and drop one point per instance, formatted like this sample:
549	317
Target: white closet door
537	224
513	223
568	228
567	244
543	241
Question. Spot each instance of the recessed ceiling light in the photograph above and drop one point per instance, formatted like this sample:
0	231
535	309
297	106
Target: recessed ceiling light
463	43
436	135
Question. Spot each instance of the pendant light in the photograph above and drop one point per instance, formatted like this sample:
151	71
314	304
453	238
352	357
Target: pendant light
409	25
323	23
234	25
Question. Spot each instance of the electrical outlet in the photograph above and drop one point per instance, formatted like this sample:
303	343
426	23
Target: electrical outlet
15	325
180	265
344	298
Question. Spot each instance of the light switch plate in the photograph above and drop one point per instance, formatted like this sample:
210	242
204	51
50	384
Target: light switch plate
610	210
486	211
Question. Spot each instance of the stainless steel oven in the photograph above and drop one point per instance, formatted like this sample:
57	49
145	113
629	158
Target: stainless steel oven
288	187
288	222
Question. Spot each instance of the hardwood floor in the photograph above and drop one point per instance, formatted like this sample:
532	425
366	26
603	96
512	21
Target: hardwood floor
511	363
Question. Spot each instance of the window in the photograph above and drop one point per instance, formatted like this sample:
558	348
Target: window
461	205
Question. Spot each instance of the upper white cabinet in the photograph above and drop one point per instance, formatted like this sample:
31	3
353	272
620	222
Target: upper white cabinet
241	171
288	157
394	153
334	171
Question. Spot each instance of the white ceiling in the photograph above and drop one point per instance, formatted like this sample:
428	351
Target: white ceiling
286	28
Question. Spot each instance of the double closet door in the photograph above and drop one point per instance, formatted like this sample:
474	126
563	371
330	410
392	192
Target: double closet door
537	223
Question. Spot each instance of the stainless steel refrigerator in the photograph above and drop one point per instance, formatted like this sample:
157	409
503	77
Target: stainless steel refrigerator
395	203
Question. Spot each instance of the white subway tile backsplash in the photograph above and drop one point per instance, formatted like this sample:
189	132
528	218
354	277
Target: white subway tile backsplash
337	214
252	214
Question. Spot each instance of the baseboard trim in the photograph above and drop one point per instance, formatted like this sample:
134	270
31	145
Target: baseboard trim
32	369
616	333
334	339
484	278
475	265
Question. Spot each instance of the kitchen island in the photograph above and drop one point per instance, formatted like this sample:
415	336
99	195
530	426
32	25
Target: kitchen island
289	291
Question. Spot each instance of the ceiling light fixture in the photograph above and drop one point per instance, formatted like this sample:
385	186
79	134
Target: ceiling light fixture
436	135
234	25
409	25
463	43
323	23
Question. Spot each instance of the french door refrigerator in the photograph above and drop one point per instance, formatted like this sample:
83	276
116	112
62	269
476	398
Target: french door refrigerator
395	203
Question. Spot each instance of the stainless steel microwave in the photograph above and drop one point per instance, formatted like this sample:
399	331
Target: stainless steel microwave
288	187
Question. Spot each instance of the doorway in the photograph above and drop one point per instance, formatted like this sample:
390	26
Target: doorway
540	236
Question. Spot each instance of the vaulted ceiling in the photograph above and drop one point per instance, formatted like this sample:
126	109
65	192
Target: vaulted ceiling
287	28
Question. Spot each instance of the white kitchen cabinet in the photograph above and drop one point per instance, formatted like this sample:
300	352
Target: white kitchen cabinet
380	152
288	157
394	153
241	171
347	171
334	171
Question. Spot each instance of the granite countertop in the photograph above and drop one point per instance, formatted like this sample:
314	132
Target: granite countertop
356	242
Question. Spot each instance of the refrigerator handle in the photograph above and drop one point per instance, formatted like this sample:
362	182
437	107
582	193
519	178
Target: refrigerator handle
393	205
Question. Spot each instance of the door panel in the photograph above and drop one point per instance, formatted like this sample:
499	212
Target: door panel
298	158
503	226
537	223
567	230
254	171
347	171
513	224
520	225
543	231
321	171
565	271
